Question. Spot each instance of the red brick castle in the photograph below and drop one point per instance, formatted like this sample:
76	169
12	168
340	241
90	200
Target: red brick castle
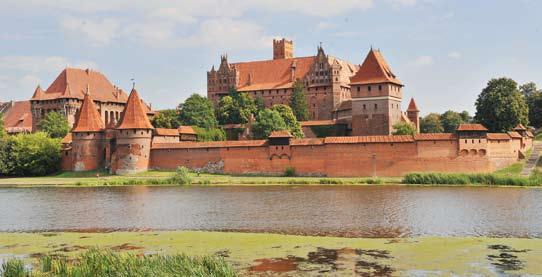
366	98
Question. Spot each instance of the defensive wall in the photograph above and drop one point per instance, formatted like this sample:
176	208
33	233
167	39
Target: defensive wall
346	156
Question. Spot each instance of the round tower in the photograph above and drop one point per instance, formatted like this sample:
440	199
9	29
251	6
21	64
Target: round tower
413	114
88	152
133	138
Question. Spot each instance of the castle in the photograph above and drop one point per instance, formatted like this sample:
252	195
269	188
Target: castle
366	98
132	145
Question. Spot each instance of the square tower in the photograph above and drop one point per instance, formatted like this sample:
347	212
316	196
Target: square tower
283	49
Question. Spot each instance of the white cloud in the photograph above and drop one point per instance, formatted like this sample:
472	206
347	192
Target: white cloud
403	3
19	75
323	25
424	61
454	55
98	32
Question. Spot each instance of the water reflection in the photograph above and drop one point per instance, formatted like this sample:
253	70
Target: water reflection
372	211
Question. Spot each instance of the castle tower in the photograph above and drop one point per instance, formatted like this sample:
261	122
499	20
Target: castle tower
88	138
133	138
283	49
376	97
413	114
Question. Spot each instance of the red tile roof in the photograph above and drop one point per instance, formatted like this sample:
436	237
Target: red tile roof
89	119
74	82
370	139
280	134
38	93
209	144
412	107
271	74
529	134
317	123
374	69
186	130
307	141
471	127
166	132
435	136
134	115
520	127
18	117
498	136
67	139
514	134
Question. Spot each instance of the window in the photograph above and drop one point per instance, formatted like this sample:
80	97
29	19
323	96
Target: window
376	106
379	87
358	89
369	88
364	107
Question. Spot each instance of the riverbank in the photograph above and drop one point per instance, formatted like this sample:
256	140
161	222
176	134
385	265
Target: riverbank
274	253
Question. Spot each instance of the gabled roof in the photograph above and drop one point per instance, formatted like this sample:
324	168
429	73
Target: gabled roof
89	119
18	117
280	134
134	115
471	127
435	136
498	136
166	132
412	107
271	74
374	70
520	127
186	130
514	135
73	83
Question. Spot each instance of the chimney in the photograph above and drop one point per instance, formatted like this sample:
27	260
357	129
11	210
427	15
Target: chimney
283	49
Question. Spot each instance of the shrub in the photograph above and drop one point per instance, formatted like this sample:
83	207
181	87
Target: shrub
290	172
181	176
29	155
330	181
463	179
97	262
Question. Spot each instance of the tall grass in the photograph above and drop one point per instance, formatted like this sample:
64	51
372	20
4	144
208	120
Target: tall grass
97	262
464	179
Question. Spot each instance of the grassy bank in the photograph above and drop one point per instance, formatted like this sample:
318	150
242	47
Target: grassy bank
96	262
490	179
81	179
272	253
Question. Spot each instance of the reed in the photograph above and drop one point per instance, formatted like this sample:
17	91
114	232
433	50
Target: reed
464	179
96	262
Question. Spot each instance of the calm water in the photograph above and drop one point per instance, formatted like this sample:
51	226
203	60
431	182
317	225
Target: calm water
372	211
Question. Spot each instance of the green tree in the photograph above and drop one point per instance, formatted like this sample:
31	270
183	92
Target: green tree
55	125
466	117
2	129
166	119
236	108
289	118
404	128
450	120
213	134
431	124
198	111
500	106
268	121
260	103
298	102
30	155
533	97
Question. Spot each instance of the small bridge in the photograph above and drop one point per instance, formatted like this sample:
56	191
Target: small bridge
531	163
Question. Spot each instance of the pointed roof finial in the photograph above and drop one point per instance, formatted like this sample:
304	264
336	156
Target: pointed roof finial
133	83
88	89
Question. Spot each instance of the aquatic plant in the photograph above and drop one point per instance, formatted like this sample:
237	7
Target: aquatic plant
181	176
96	262
464	179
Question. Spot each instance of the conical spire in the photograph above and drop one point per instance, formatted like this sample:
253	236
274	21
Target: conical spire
37	93
89	119
412	107
134	116
374	70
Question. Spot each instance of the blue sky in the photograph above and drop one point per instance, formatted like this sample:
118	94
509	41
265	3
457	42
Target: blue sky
443	51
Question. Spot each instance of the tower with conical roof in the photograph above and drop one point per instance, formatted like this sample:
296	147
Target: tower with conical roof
376	97
133	138
88	138
413	114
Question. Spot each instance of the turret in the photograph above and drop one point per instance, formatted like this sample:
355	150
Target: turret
413	114
88	138
133	138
